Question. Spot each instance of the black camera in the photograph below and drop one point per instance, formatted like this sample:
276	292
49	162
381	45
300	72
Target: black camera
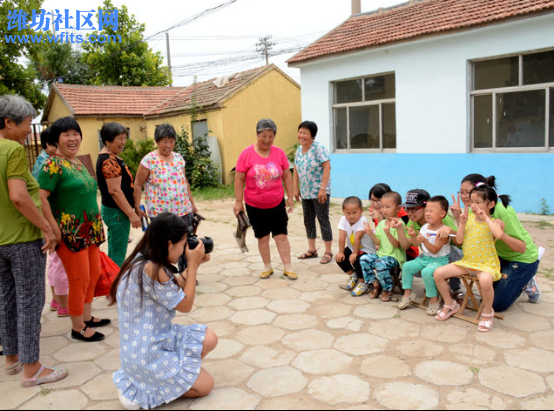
193	240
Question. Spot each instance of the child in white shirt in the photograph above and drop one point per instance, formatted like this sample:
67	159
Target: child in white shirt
436	253
354	241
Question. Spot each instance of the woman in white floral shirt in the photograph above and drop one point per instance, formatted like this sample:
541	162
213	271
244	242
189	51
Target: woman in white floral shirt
312	184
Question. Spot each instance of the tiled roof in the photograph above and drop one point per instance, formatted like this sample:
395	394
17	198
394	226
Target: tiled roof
151	101
206	93
113	100
417	19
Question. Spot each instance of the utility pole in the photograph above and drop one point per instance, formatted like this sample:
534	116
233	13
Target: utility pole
264	47
168	55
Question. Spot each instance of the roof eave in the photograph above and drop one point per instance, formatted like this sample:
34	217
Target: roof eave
300	63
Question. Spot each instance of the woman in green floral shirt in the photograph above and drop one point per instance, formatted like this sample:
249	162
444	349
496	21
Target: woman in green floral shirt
70	191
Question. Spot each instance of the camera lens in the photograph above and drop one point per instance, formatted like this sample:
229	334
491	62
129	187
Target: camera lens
208	244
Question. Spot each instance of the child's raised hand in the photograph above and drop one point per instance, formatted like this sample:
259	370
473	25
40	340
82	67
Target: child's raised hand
479	213
411	232
387	227
339	258
420	239
396	223
368	229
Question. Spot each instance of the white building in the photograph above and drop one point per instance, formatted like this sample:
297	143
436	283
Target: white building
422	94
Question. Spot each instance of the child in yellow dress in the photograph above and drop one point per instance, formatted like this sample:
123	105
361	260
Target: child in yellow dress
478	233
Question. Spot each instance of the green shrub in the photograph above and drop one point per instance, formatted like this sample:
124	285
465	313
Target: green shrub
134	153
201	170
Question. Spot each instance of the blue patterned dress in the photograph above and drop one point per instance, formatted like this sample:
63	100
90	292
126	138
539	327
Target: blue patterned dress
160	361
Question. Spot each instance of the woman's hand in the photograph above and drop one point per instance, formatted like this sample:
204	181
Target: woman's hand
238	208
375	214
290	205
455	207
50	241
195	257
297	195
464	216
322	195
135	221
57	234
140	213
501	223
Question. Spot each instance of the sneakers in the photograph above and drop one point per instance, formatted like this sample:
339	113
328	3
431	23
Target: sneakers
532	291
350	284
127	404
361	289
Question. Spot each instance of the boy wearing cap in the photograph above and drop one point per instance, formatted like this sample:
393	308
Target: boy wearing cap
436	248
416	201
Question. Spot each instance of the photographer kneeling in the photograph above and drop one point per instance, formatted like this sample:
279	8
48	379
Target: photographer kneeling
160	361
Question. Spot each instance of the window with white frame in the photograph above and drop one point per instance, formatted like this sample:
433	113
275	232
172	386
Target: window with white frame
513	103
364	113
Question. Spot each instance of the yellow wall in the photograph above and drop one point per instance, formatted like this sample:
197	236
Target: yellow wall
90	126
183	120
271	96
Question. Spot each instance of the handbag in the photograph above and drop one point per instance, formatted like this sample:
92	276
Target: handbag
110	271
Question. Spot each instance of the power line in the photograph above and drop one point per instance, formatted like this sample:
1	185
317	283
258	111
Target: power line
204	13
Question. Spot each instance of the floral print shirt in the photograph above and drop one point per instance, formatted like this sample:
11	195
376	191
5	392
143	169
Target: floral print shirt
166	187
309	166
73	202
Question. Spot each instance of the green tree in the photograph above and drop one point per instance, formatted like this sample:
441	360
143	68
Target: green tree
134	153
129	63
59	61
15	77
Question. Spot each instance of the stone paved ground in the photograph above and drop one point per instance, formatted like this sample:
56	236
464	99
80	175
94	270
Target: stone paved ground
309	345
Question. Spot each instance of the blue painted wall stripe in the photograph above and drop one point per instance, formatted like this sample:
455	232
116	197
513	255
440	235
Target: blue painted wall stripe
528	178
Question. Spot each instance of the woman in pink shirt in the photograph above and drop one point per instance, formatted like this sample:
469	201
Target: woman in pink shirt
261	171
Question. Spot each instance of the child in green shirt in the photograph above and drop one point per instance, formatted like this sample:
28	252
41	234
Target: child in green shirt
391	254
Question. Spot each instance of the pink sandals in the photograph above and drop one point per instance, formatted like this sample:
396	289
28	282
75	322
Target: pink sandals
57	375
452	310
486	325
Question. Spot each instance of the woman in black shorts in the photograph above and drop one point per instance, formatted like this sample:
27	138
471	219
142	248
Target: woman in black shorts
261	171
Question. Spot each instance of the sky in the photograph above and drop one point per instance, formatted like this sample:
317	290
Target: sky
224	42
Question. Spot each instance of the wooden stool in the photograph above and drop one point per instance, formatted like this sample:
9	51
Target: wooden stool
469	281
396	274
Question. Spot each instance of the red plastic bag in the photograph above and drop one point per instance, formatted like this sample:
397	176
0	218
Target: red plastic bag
110	271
